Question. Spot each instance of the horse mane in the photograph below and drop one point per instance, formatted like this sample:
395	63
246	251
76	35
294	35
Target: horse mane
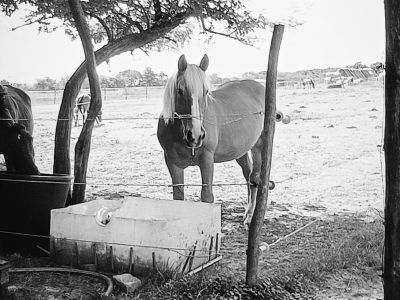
196	81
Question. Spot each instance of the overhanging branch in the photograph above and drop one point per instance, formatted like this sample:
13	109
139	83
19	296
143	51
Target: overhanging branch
39	21
157	11
104	24
132	22
228	35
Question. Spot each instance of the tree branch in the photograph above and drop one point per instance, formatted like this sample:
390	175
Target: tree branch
228	35
104	24
145	15
132	22
172	40
40	21
157	10
144	51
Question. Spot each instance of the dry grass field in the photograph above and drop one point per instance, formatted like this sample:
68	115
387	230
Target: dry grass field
327	164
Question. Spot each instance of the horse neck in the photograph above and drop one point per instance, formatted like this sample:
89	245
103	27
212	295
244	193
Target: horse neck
17	110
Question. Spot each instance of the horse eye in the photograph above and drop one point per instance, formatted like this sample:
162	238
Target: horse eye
19	136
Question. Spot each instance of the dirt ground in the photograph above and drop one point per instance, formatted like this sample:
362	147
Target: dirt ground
326	162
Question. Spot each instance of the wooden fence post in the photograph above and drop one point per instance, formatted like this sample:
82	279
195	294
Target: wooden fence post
391	268
253	250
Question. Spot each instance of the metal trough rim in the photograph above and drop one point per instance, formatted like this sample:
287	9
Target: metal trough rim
60	178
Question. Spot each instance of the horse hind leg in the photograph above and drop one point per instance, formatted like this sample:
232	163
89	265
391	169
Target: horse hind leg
246	163
255	176
253	167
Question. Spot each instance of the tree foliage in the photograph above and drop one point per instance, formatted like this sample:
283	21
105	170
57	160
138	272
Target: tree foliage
111	21
44	84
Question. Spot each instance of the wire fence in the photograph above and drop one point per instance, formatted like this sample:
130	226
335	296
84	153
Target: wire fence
235	117
173	249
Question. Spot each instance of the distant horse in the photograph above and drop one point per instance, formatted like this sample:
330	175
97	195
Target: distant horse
199	127
16	127
308	83
82	106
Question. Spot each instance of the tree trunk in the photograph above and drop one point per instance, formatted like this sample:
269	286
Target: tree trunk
253	250
62	164
391	271
82	148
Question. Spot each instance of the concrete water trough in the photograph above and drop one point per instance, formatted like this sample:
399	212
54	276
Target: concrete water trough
137	235
26	202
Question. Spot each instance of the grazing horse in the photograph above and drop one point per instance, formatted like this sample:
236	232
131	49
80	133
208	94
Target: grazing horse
82	106
199	127
16	127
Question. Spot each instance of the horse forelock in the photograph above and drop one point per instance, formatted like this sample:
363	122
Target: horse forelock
196	82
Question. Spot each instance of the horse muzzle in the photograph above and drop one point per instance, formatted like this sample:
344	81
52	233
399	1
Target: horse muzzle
192	141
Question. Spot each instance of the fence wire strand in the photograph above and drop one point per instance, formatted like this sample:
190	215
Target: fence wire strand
172	249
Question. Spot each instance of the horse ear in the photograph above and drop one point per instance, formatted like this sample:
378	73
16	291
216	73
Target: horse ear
204	63
182	63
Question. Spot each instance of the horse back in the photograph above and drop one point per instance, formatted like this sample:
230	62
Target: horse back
239	95
18	103
235	118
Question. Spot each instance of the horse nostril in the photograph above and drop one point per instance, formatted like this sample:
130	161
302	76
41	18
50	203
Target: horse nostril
189	136
203	135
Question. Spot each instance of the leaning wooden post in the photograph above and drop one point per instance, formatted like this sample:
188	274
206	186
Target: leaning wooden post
391	270
253	250
82	147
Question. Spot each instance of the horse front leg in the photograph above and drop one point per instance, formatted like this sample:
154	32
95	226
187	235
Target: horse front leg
177	176
207	173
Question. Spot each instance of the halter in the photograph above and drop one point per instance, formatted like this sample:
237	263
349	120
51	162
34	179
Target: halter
184	116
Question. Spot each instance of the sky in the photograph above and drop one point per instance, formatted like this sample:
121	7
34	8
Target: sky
335	33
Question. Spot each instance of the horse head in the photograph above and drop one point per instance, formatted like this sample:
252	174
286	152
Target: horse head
18	149
186	95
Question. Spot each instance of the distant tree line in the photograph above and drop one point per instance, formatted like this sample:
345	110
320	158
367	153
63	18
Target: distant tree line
132	78
127	78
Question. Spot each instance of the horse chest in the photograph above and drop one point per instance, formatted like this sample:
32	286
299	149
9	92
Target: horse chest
185	156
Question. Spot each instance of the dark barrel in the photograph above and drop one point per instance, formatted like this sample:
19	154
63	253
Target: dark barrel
26	201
